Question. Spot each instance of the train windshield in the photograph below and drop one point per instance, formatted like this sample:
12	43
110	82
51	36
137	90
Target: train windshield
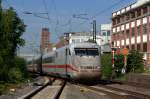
86	51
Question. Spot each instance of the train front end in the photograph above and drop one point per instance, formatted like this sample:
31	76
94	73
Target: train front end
87	59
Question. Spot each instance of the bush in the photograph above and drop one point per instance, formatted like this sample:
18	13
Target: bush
15	75
119	64
135	62
18	72
106	65
2	88
20	63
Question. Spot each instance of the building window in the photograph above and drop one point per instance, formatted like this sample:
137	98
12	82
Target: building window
73	41
133	32
114	22
77	40
138	12
145	47
138	47
127	46
145	10
144	29
122	18
127	16
127	33
133	47
118	20
103	33
133	15
108	33
138	30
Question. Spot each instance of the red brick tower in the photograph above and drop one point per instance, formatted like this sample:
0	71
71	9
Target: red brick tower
45	39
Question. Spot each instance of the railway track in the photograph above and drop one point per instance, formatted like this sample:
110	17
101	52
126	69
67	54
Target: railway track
109	88
147	86
112	93
132	93
57	85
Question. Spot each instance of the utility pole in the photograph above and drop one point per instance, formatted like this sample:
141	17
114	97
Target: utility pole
94	31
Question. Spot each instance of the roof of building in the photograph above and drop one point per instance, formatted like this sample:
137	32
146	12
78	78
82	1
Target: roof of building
130	7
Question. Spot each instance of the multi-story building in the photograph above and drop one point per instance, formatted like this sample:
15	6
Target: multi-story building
105	33
45	42
131	27
79	37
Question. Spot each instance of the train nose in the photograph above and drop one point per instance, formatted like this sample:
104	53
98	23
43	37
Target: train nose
89	74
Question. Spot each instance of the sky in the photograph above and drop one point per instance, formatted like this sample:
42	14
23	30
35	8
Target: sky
60	15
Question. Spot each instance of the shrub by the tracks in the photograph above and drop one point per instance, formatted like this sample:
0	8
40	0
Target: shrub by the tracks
19	72
106	65
119	64
135	62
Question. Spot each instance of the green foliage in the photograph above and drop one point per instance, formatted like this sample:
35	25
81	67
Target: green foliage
20	63
106	65
2	88
119	64
19	71
11	30
15	75
135	62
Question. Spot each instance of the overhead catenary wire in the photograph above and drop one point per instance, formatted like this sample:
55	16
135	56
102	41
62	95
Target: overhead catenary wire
57	19
102	12
48	14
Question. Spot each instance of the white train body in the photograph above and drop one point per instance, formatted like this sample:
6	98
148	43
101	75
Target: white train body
75	61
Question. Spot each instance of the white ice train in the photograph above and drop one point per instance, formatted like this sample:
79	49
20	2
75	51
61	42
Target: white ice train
79	61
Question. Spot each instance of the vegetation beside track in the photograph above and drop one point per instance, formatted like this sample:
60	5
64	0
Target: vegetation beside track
135	64
12	68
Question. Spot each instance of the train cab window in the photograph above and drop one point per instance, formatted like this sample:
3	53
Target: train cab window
86	51
48	60
80	51
92	51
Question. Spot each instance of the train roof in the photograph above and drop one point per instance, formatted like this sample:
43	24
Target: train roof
71	47
35	57
84	45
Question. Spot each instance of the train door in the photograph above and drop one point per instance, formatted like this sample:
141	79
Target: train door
66	57
67	53
39	65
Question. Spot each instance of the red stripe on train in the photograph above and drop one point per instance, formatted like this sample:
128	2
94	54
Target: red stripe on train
60	66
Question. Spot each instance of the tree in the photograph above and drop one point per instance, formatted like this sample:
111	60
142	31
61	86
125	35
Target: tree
11	30
106	65
135	62
119	63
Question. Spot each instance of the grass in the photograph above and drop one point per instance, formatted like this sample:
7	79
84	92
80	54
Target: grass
5	87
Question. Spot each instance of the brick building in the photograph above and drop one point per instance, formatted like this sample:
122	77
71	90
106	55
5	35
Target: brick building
131	27
45	42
